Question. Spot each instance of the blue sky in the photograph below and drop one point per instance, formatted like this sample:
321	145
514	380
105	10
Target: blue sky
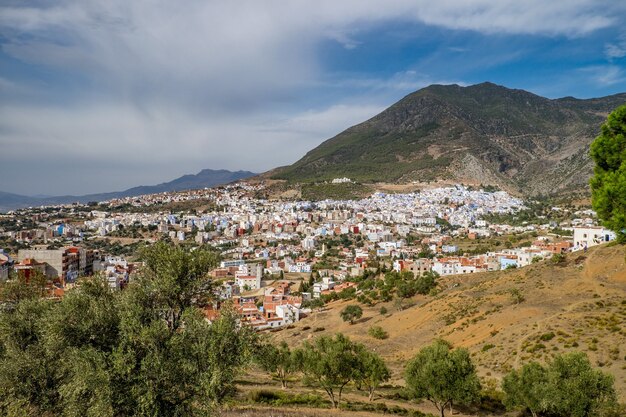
104	95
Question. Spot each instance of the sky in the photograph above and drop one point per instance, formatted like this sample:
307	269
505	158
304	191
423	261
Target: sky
103	95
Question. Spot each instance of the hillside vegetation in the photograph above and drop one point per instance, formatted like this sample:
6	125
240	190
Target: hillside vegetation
484	133
505	318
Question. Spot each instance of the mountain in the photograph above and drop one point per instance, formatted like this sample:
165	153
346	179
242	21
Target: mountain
483	133
204	179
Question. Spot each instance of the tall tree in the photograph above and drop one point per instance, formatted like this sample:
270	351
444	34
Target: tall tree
608	185
442	375
331	363
566	387
371	372
147	350
526	388
278	360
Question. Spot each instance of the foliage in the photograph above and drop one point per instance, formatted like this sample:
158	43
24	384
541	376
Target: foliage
351	313
371	371
442	375
377	332
558	259
278	360
568	386
608	185
329	362
517	297
343	191
333	362
147	350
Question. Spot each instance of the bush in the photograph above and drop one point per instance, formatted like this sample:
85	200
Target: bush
383	310
377	332
558	259
516	296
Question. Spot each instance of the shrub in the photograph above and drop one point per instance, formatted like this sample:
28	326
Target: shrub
558	259
378	332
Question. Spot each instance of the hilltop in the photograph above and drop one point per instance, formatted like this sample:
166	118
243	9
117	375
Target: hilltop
481	134
578	305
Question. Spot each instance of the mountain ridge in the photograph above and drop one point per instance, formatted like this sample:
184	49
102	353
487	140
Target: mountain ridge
205	178
484	133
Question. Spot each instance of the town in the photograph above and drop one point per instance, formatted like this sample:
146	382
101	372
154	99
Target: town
281	258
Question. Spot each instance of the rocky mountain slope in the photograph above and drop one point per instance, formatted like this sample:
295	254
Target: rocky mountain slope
483	133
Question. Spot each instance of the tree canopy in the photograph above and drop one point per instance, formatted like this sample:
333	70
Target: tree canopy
333	362
608	185
351	313
567	387
442	375
147	350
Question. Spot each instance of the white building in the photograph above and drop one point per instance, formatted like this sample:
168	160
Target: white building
249	276
588	236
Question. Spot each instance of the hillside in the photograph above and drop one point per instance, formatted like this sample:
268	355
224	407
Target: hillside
203	179
580	305
484	133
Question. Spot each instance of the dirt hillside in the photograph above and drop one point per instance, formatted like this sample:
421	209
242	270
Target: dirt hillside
504	318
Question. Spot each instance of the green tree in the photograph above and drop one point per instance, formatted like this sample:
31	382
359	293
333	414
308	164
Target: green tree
442	375
576	389
331	363
426	282
147	350
526	388
371	371
351	313
278	360
608	184
567	387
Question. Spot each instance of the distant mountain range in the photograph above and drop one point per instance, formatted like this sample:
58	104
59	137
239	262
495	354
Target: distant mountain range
483	133
205	178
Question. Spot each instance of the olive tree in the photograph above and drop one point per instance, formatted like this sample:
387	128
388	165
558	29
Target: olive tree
351	313
442	375
566	387
331	363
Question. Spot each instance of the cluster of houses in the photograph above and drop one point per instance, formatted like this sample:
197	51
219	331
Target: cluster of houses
257	238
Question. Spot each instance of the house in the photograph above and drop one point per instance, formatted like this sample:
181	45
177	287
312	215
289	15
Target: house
587	236
248	277
28	267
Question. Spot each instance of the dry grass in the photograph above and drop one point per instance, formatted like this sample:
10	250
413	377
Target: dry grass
583	304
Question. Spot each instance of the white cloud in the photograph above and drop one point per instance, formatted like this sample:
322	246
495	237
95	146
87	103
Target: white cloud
201	83
605	75
617	49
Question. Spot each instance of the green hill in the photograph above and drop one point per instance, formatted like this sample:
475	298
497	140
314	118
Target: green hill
483	133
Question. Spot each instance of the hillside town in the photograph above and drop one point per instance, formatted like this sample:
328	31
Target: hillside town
278	256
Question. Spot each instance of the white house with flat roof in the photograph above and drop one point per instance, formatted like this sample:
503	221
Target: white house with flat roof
587	236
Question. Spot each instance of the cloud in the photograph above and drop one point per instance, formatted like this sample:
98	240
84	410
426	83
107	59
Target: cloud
605	75
615	50
149	88
153	143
